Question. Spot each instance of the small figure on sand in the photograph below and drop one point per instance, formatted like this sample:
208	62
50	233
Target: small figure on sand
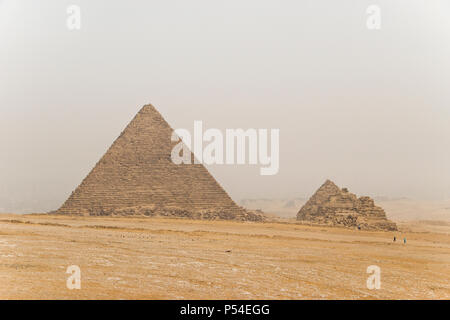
404	240
395	238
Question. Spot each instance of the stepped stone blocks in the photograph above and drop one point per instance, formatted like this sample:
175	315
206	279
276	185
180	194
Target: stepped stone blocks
137	176
334	206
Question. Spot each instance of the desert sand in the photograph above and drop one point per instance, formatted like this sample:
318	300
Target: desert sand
162	258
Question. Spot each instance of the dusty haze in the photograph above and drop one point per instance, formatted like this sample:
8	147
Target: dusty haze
367	109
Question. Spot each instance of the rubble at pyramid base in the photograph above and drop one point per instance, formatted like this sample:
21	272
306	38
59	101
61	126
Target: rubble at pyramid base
173	212
353	221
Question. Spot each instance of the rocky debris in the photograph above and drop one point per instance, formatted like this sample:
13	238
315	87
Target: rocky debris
331	205
137	176
178	212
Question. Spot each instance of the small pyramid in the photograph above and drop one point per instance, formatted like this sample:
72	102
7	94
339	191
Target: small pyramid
334	206
137	176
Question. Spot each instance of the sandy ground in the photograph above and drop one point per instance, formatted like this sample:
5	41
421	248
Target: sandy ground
155	258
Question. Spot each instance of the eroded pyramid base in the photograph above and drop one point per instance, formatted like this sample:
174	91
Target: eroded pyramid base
171	211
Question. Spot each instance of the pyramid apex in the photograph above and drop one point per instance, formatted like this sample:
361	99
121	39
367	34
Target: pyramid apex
329	186
147	107
329	182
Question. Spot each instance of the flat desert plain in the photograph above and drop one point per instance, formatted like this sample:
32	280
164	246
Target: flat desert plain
161	258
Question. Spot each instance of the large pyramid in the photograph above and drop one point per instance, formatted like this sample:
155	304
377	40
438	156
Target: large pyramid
334	206
137	176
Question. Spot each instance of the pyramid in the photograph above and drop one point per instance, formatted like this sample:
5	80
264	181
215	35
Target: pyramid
137	176
334	206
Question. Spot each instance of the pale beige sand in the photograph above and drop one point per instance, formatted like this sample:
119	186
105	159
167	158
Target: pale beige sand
155	258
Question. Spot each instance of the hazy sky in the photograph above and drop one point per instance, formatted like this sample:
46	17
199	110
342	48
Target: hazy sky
369	109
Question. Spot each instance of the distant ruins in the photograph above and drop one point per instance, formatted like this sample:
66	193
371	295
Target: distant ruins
137	176
337	207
